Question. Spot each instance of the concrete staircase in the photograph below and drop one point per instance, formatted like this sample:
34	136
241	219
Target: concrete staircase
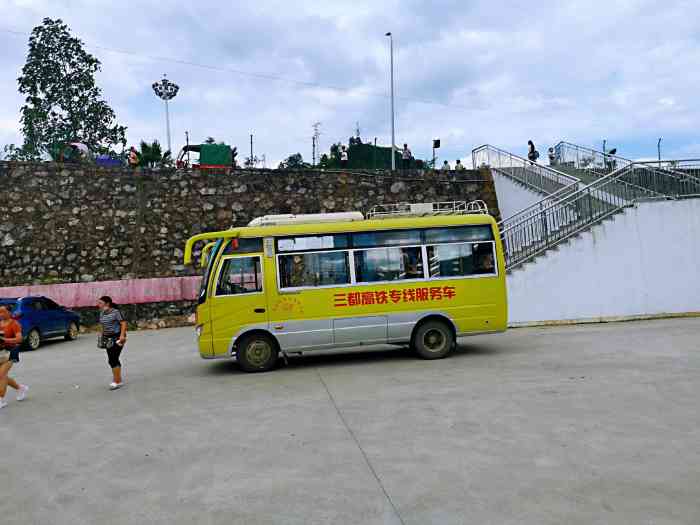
576	197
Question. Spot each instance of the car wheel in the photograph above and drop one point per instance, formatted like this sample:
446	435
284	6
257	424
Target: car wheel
72	333
433	340
33	339
257	353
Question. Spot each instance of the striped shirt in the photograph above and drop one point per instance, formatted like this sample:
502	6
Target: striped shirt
110	320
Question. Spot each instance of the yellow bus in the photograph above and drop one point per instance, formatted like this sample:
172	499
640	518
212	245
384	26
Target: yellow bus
416	274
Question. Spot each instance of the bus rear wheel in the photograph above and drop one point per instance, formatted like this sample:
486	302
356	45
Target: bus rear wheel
433	340
257	353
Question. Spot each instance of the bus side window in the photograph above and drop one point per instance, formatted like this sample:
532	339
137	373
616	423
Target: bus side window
240	275
454	260
388	264
314	269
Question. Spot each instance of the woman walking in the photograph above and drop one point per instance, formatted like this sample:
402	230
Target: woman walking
112	338
11	333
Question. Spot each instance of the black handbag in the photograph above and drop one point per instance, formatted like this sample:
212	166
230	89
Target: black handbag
106	342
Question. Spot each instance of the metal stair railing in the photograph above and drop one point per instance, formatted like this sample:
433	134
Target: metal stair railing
496	158
535	176
669	183
557	220
686	169
598	163
679	165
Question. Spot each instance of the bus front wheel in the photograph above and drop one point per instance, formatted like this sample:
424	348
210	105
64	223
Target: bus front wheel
433	340
257	353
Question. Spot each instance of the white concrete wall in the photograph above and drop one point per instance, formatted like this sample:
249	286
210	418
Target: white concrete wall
645	261
513	197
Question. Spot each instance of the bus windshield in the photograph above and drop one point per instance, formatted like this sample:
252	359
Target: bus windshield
207	273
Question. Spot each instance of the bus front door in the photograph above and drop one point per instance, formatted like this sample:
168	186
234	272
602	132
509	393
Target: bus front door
239	300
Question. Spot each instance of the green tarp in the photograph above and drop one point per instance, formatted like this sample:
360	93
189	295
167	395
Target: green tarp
215	154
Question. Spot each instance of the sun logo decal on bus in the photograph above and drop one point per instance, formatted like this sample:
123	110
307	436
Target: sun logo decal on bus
288	305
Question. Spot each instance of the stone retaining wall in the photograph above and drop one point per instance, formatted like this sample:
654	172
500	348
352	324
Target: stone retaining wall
67	223
145	316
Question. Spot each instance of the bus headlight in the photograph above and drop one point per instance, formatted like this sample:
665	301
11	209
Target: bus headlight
198	330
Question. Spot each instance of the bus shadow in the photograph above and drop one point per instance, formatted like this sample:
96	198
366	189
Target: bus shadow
352	357
359	356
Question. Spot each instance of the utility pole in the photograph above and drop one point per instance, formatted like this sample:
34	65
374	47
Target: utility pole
658	149
313	150
374	155
391	62
251	150
187	142
317	133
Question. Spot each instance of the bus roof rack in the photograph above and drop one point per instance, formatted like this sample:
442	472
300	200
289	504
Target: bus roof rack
408	209
308	218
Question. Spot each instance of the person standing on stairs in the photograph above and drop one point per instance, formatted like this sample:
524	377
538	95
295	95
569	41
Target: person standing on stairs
532	153
406	157
344	158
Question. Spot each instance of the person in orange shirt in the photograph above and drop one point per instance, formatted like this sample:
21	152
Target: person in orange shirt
11	333
133	158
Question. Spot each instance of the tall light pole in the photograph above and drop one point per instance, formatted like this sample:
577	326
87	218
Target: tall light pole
658	148
166	90
391	62
317	134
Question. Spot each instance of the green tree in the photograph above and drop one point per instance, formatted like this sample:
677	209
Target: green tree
62	100
12	152
293	162
152	156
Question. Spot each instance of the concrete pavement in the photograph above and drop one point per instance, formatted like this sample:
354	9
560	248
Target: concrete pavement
594	424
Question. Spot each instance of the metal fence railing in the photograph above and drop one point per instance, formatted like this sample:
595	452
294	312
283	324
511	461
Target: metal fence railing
547	224
597	163
535	176
568	155
552	183
571	206
686	168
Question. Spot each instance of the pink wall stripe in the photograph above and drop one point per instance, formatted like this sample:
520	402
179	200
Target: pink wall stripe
128	291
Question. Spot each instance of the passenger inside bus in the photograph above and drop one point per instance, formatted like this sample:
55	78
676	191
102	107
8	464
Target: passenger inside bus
485	263
412	264
299	275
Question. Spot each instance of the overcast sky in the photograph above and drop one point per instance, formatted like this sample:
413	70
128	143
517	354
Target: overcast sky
467	71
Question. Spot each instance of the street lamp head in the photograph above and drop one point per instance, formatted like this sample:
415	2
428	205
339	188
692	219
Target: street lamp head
388	34
165	89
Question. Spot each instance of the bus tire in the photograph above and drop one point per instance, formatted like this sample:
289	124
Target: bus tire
257	352
433	340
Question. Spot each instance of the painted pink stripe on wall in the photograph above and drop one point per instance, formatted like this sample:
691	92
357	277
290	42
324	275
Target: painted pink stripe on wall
128	291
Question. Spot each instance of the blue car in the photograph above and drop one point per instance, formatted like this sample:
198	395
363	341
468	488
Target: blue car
41	319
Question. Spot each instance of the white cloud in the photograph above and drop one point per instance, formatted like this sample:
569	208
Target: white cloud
501	73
